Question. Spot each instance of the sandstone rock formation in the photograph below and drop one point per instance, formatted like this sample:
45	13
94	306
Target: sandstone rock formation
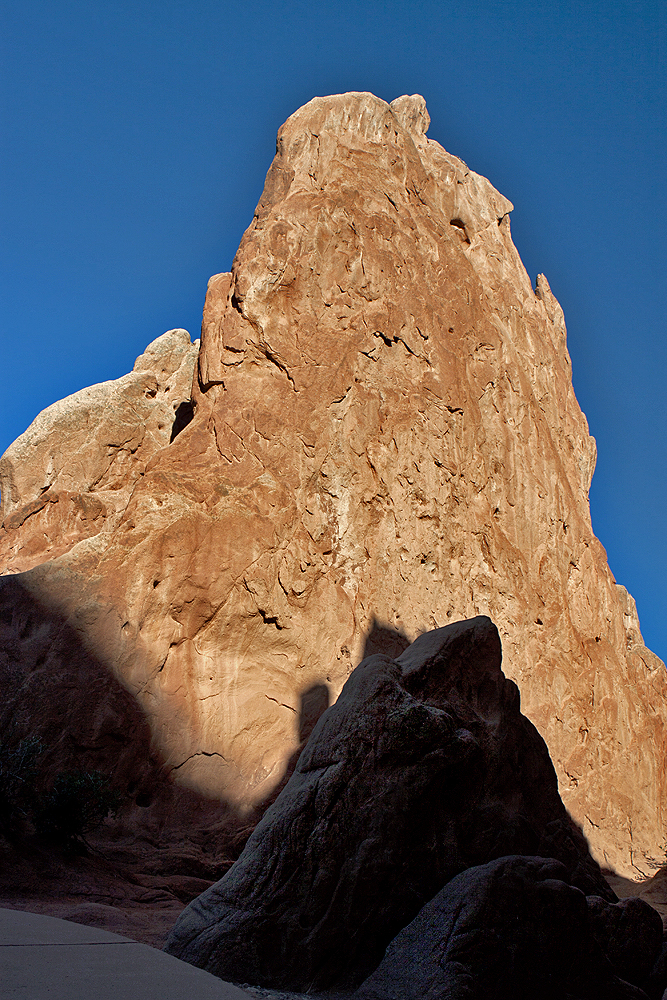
72	472
424	767
385	439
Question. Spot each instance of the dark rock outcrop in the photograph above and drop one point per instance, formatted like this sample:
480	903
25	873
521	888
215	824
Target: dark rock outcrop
515	928
423	768
629	933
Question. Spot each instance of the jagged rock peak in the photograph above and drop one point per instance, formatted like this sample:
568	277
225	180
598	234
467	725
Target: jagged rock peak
73	468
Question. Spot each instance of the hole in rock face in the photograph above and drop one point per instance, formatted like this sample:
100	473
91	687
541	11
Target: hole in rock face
184	414
143	800
461	226
155	583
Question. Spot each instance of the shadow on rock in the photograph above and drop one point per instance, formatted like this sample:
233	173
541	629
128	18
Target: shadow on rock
166	838
166	844
383	638
313	703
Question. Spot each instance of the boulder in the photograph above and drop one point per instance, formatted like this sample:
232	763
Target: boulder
514	927
424	767
629	933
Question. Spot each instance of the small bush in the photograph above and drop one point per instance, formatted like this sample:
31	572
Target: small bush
18	774
78	803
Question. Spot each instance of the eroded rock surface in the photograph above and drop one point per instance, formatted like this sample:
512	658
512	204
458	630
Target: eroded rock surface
385	439
423	767
71	473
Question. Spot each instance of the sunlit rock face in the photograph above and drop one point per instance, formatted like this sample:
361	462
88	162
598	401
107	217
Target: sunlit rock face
385	440
71	473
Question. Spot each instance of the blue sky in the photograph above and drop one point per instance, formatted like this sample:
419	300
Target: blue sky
136	136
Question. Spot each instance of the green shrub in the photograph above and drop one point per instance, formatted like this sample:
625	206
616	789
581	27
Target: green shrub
18	774
78	803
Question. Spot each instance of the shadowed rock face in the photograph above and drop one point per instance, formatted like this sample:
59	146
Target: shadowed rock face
423	767
383	430
516	927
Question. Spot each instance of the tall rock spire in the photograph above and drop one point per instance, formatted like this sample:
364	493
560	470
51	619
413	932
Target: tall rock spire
385	440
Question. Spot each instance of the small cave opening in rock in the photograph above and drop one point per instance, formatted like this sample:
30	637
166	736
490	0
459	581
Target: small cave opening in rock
184	414
460	225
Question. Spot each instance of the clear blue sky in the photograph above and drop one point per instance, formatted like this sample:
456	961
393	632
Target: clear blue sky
136	136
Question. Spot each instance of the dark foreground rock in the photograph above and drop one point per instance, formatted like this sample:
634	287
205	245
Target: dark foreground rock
630	935
516	928
423	768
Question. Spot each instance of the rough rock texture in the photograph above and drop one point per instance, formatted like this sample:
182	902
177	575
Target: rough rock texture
512	928
629	933
72	472
385	440
423	767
